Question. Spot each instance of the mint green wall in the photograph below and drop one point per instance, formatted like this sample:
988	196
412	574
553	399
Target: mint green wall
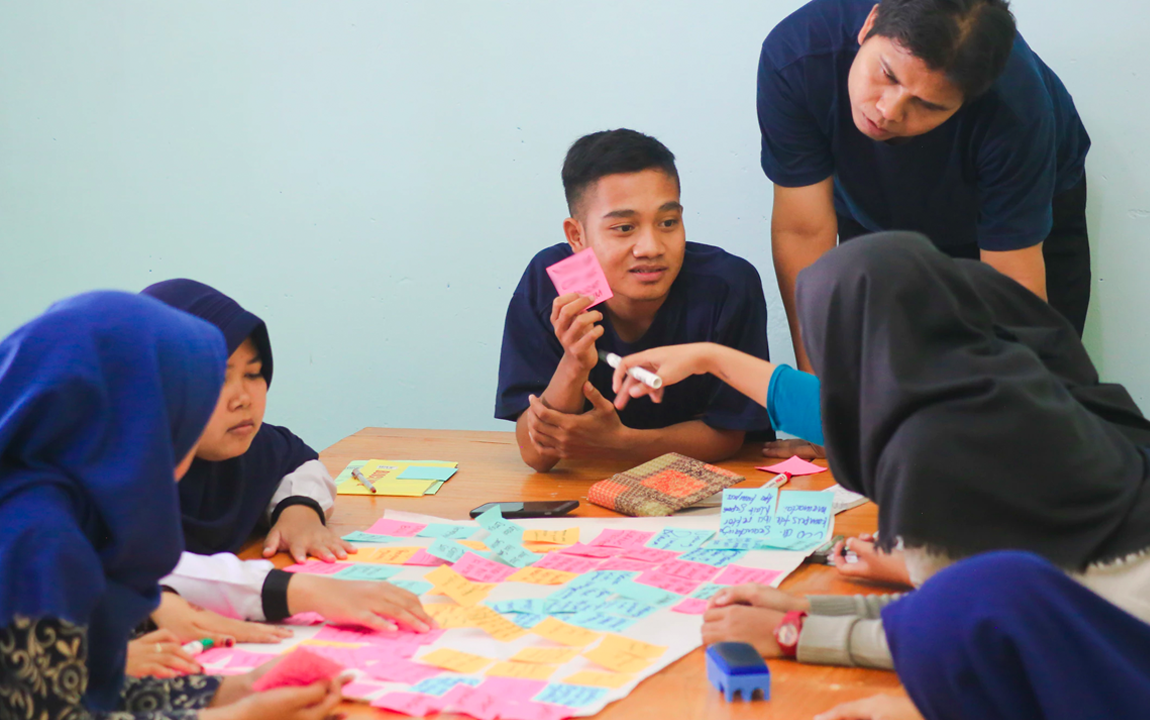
372	176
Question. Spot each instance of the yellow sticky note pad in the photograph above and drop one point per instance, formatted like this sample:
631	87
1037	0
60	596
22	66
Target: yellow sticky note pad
565	633
494	624
457	587
599	679
546	655
570	536
527	671
403	488
541	576
385	555
620	643
617	660
455	661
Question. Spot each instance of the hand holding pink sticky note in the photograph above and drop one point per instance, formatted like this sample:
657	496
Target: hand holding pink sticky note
794	466
581	273
299	668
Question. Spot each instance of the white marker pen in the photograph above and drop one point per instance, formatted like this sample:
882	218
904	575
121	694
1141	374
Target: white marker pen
643	375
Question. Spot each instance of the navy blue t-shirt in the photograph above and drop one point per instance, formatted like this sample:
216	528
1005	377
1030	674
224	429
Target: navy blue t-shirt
987	175
717	297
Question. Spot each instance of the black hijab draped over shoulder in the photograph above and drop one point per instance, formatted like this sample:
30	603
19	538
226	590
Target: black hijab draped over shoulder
967	408
224	502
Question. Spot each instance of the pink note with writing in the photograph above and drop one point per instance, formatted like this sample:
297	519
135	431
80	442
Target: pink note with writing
415	704
479	569
671	583
700	572
560	561
317	567
737	575
423	558
794	466
588	551
516	689
650	555
691	606
300	667
626	564
347	634
622	538
581	273
395	528
471	701
400	670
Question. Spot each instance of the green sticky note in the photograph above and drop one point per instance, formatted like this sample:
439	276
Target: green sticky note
368	571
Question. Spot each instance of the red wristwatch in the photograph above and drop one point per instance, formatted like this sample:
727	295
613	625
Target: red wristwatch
787	632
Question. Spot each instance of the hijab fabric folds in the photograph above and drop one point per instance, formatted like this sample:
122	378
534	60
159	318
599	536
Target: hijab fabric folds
967	408
223	502
100	398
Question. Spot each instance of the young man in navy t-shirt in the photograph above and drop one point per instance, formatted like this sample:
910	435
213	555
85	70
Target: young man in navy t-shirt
622	192
927	115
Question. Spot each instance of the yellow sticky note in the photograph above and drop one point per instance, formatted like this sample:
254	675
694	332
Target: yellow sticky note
494	624
473	544
565	633
527	671
542	547
617	660
457	587
621	643
541	576
598	679
448	615
385	555
403	488
455	661
570	536
546	655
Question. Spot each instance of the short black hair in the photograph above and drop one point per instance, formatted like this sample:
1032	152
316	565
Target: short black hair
610	152
969	40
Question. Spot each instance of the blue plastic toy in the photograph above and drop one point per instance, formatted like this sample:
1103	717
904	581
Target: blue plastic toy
734	667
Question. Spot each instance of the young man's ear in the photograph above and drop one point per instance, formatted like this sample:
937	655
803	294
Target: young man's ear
868	25
573	230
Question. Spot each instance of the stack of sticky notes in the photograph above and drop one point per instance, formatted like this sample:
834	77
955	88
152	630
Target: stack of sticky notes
405	478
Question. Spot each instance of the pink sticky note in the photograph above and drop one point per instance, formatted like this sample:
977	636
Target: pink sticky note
400	670
395	528
700	572
317	567
244	658
344	656
466	699
737	575
588	551
534	711
622	538
671	583
360	690
581	273
480	569
304	618
794	466
415	704
650	555
298	668
515	689
626	564
423	558
691	606
560	561
347	634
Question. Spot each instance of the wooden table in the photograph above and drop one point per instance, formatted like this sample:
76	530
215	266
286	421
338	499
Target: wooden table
490	469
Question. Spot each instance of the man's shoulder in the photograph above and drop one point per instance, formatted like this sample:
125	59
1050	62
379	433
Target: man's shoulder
710	265
821	27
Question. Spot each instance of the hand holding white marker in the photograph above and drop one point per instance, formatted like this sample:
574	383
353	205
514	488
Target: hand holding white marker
643	375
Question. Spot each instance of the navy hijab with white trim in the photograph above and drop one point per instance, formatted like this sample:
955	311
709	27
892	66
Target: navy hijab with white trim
100	398
224	502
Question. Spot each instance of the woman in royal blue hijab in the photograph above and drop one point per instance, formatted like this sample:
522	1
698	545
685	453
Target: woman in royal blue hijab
102	401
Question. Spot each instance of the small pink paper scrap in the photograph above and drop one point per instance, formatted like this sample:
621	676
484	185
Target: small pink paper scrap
559	561
691	606
581	273
422	558
395	528
298	668
415	704
622	538
737	575
480	569
793	467
317	567
671	583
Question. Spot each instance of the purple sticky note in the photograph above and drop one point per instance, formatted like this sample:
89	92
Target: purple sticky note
737	575
581	273
793	467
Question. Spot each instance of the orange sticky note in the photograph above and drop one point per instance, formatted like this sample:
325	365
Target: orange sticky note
599	679
494	624
542	547
546	655
473	544
448	615
457	587
625	644
570	536
385	555
527	671
455	661
565	633
617	660
542	576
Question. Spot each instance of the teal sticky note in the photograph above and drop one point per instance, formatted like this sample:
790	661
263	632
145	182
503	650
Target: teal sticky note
426	472
448	550
531	606
600	621
726	542
526	620
368	571
594	596
489	517
446	530
679	540
440	684
747	513
706	590
570	695
803	517
718	558
366	537
417	587
646	594
629	608
602	579
511	551
574	605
